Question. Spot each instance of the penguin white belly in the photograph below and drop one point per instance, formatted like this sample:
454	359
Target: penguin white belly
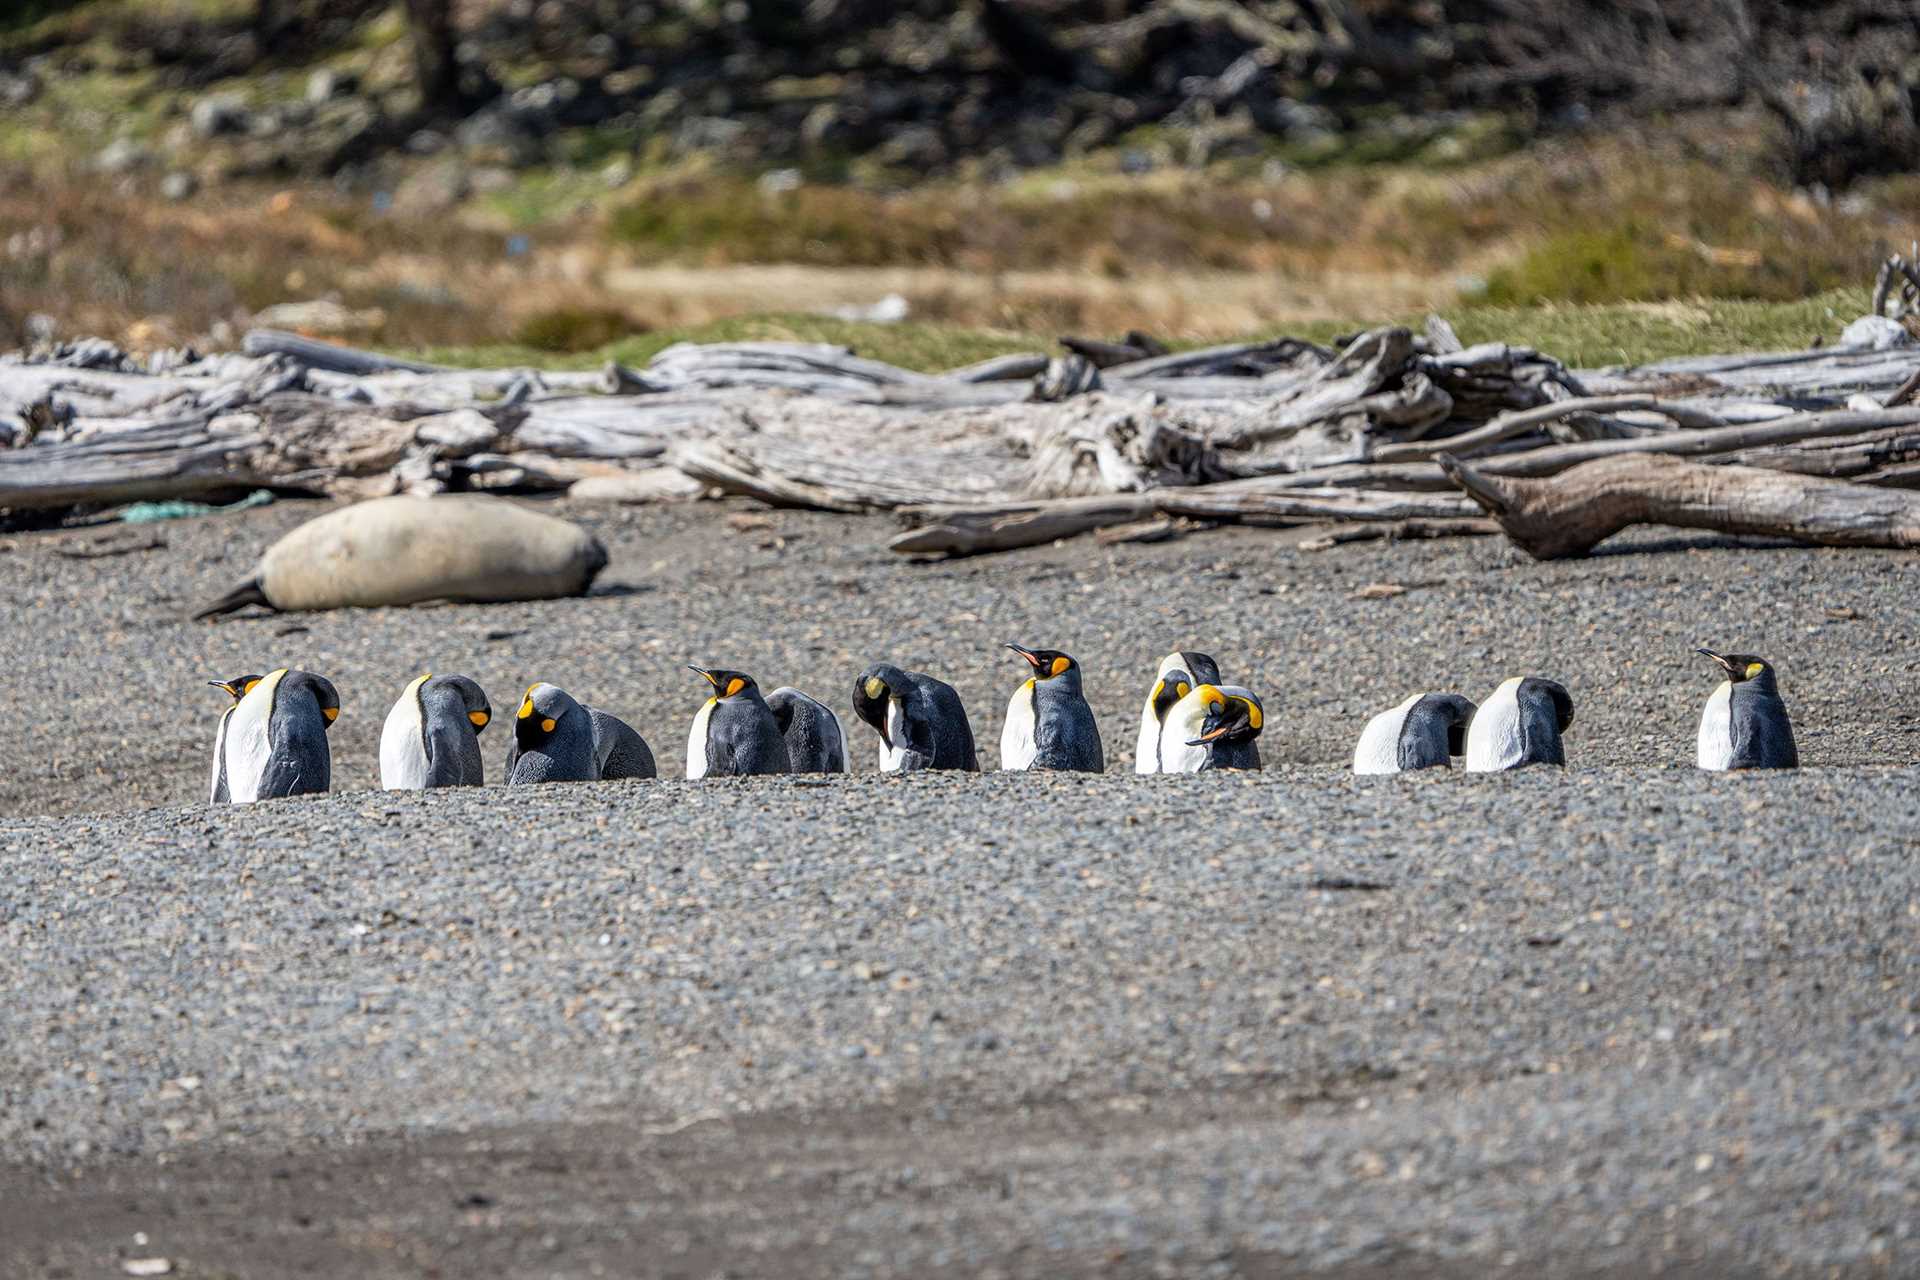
1379	747
1494	737
1716	729
892	757
403	752
247	743
697	741
1017	748
1175	755
1146	751
219	752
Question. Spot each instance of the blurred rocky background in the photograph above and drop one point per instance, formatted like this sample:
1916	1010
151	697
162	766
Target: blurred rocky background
554	176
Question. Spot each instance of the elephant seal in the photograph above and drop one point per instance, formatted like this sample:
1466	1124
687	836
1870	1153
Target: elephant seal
406	550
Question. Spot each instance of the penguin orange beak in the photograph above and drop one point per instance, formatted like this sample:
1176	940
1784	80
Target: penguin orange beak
1708	653
1033	659
704	674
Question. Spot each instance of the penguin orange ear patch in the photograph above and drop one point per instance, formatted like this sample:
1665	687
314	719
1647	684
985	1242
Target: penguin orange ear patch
479	719
250	686
876	687
1059	665
331	713
546	726
1183	688
1754	669
735	685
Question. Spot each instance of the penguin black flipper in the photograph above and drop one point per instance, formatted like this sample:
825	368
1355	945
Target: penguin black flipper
1758	725
949	739
621	751
248	592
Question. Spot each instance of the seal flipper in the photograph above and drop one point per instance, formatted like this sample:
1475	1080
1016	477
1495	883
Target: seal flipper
248	592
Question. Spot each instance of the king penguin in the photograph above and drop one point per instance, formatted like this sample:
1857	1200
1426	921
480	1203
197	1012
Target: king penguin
734	734
556	739
432	735
1177	677
236	689
920	720
811	731
275	742
1745	724
1212	727
1423	732
1519	725
1049	724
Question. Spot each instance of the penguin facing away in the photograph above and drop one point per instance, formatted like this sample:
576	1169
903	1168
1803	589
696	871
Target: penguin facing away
734	734
431	738
1049	724
1745	724
811	731
236	688
1421	733
1519	724
276	739
920	720
557	739
1178	675
1212	727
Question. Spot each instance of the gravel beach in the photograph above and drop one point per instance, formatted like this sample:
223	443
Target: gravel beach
1624	1019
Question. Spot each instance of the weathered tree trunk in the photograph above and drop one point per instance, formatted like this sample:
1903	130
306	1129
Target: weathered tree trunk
1574	511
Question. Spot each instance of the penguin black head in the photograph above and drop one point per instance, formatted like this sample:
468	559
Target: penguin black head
540	714
1046	663
236	688
870	693
1739	666
320	687
472	698
1229	716
726	684
1173	686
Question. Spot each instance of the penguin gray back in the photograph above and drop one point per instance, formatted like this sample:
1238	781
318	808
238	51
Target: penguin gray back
734	734
406	550
921	721
1049	724
431	738
815	743
1519	724
276	740
1745	724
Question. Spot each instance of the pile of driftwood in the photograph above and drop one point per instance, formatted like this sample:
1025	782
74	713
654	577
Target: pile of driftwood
1390	433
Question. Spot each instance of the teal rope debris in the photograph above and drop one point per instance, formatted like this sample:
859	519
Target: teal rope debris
148	512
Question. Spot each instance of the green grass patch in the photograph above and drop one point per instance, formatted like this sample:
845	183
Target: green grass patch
927	347
1582	336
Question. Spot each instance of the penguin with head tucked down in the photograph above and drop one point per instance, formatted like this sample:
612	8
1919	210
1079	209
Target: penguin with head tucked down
432	735
236	688
1423	732
811	731
1179	675
1212	727
735	734
1745	723
275	742
920	720
1049	724
1519	724
556	739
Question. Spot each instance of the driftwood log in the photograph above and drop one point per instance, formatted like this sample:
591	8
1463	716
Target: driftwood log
1009	452
1570	513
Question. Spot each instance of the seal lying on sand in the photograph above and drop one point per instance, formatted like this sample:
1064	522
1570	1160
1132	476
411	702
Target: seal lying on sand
406	550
